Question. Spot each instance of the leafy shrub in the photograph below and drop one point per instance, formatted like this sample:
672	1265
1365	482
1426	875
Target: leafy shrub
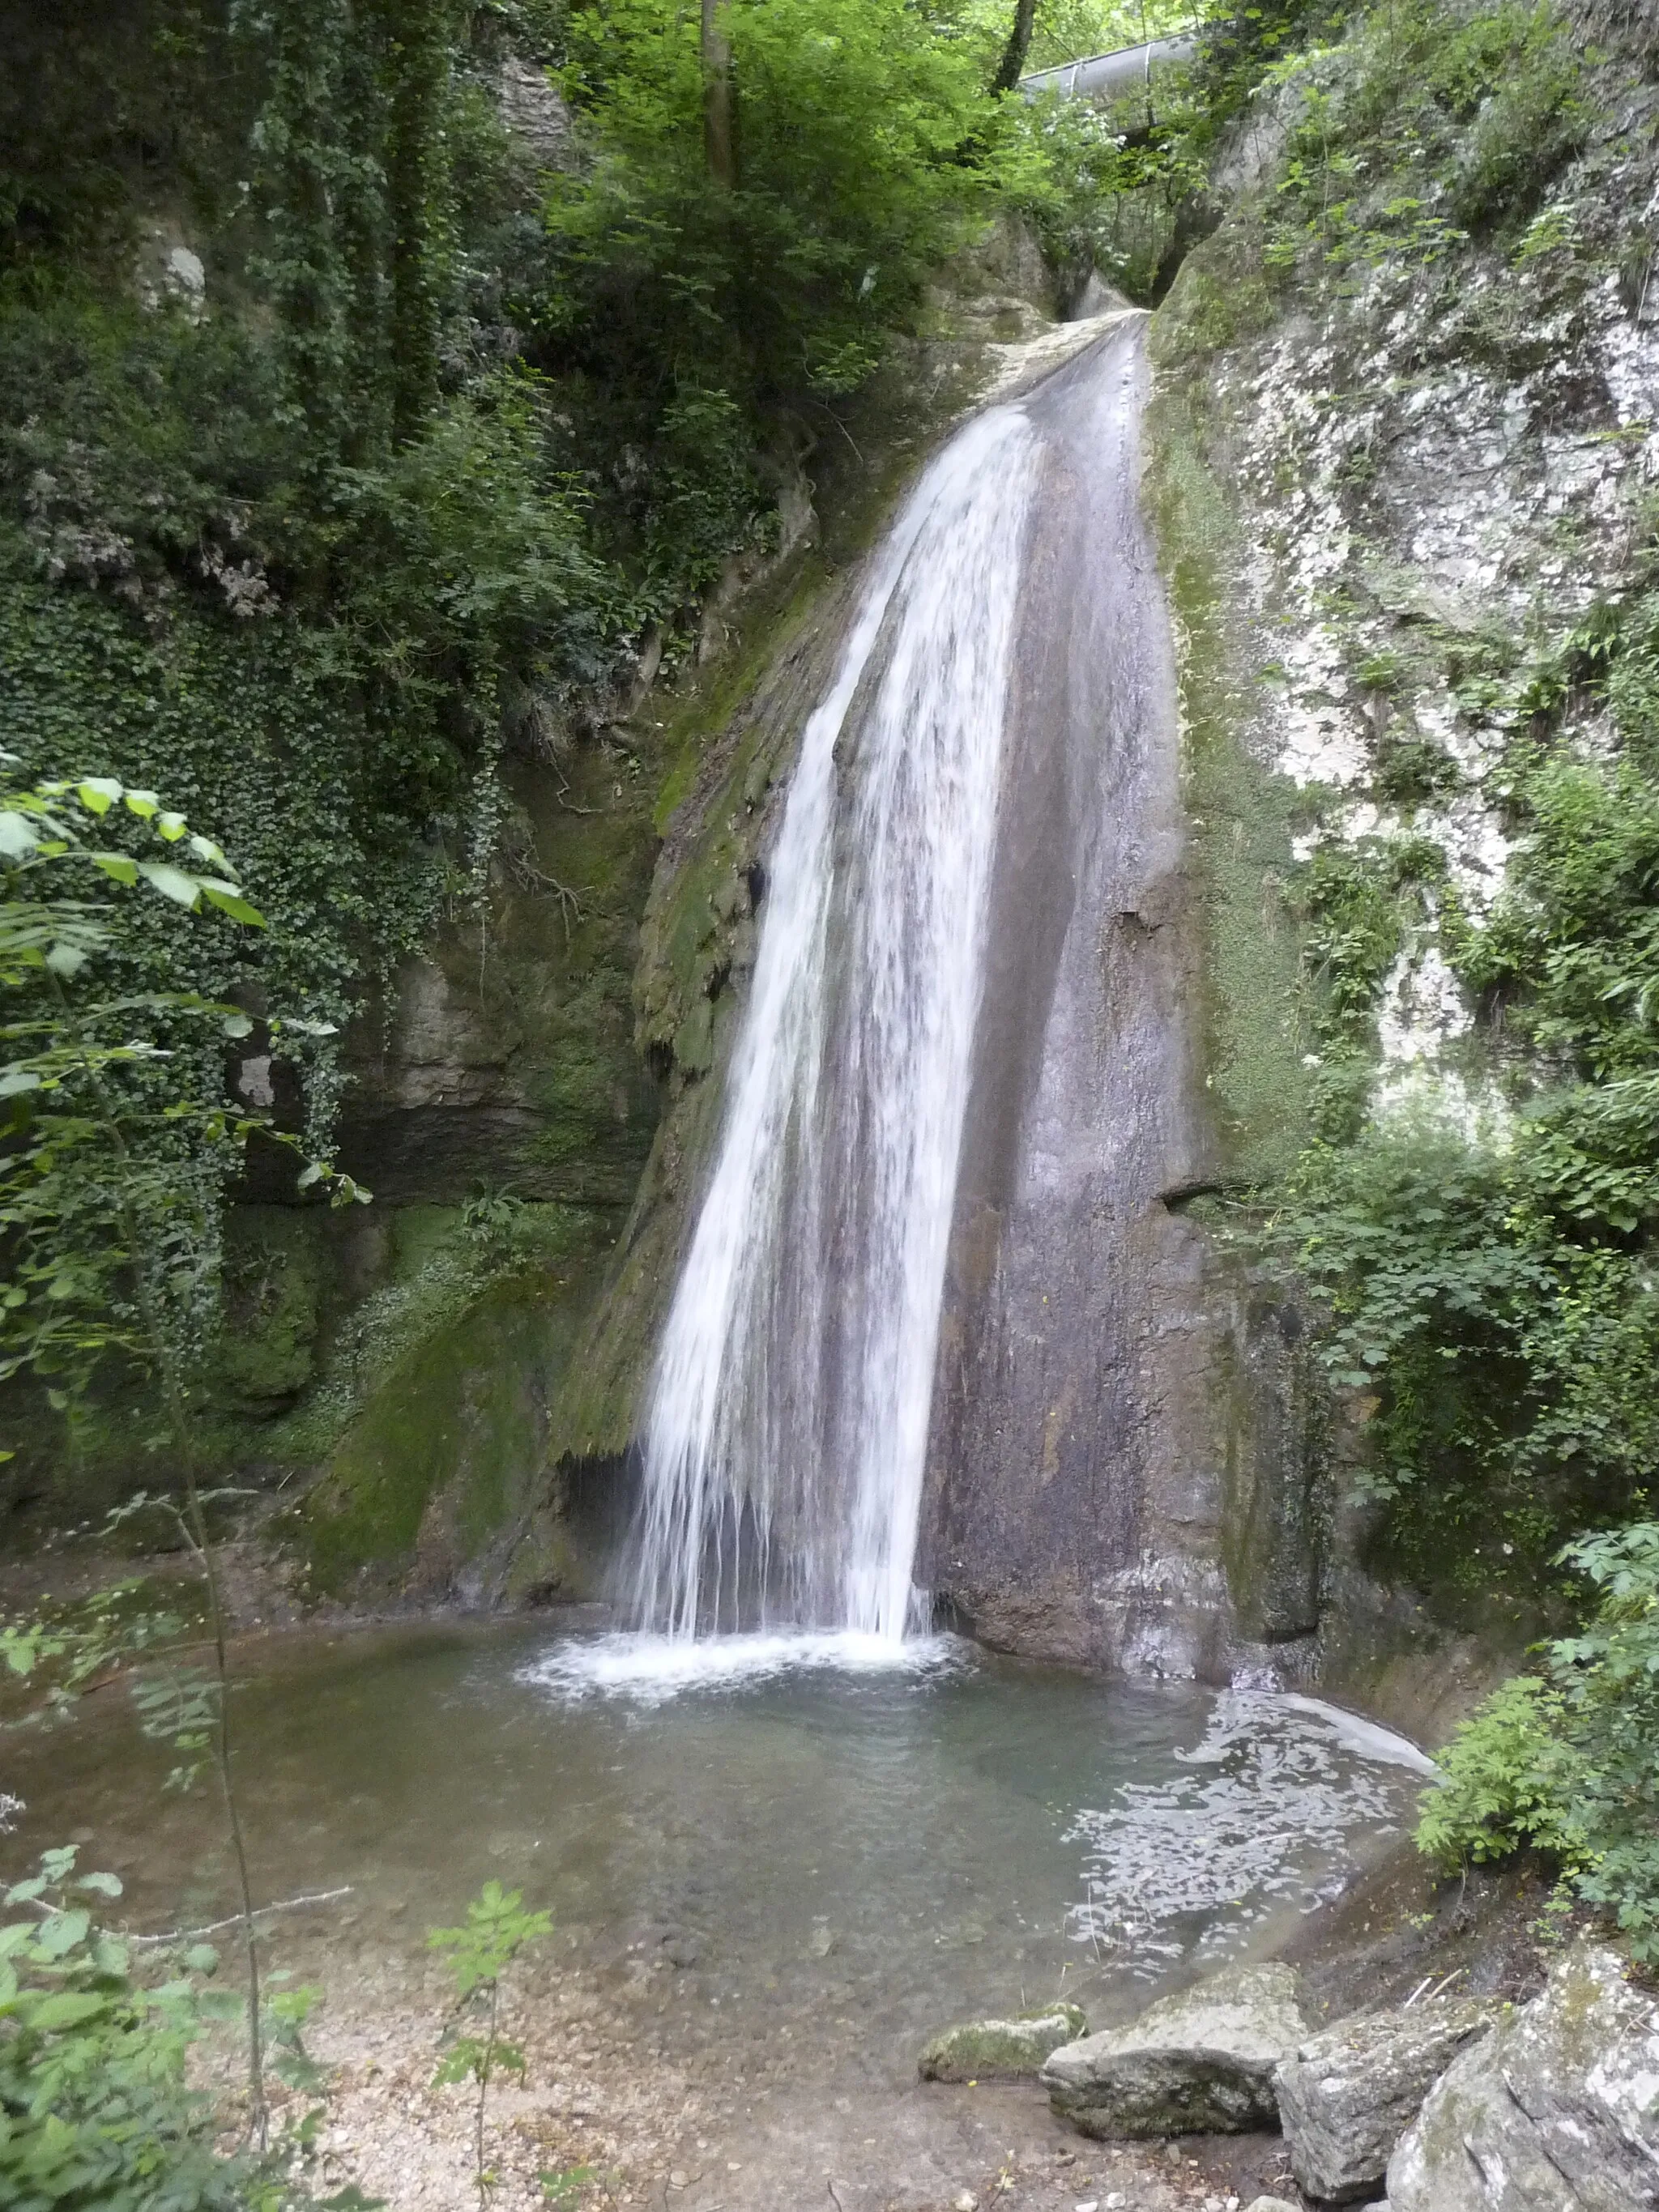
94	2112
496	1928
858	171
1570	1764
1501	1786
1607	1680
1489	1278
1444	118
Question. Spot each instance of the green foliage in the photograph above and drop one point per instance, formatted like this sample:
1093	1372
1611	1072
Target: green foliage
1489	1278
858	171
1061	30
96	2113
119	1144
1608	1681
1569	1764
497	1929
1575	940
1360	904
1498	1791
1444	120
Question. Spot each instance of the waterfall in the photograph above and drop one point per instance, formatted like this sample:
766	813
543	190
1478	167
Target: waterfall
788	1423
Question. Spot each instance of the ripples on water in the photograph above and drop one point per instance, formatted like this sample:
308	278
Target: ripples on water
1266	1815
830	1834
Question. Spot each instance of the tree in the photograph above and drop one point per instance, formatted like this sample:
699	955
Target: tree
720	116
1012	67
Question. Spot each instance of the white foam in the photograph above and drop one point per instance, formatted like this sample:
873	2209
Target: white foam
652	1669
1366	1737
1265	1819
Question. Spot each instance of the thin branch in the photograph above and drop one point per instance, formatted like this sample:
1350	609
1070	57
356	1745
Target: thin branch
193	1523
533	878
287	1904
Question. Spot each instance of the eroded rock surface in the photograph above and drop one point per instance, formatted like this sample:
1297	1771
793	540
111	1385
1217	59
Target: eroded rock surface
1347	2096
1199	2062
1000	2049
1556	2110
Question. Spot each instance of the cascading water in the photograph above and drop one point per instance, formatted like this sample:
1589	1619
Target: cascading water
787	1427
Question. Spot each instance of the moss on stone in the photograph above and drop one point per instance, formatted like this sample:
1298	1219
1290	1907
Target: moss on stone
276	1268
432	1474
1001	2050
1240	813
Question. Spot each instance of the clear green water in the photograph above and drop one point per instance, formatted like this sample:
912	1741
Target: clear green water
872	1852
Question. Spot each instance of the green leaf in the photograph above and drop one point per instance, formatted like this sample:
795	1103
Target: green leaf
98	793
172	883
63	1932
68	2008
144	804
124	869
18	835
231	903
13	1080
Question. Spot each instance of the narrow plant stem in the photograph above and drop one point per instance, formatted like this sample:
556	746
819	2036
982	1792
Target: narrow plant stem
483	2087
259	2118
162	1352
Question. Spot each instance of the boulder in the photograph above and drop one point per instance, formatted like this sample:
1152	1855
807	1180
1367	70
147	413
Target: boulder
1275	2204
1347	2096
1199	2062
1556	2110
1000	2049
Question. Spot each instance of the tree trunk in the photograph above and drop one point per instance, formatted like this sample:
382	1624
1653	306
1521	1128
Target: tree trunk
416	174
719	137
1012	67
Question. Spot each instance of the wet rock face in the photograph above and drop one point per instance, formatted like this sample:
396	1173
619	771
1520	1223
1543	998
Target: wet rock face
1074	1482
1347	2096
1199	2062
1553	2111
1000	2049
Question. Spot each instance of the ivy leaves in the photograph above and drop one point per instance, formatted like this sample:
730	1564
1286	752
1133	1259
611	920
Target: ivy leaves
120	1140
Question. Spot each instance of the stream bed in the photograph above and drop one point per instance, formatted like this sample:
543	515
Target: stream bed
776	1870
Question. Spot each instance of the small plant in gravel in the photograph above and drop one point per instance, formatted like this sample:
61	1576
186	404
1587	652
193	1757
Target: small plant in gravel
496	1928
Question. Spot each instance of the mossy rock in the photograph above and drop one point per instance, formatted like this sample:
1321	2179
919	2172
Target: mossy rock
431	1479
275	1270
1001	2050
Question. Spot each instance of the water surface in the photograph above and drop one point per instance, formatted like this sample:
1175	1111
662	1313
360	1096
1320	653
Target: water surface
841	1855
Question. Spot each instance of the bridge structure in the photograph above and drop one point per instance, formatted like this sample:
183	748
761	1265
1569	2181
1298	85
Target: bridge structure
1108	77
